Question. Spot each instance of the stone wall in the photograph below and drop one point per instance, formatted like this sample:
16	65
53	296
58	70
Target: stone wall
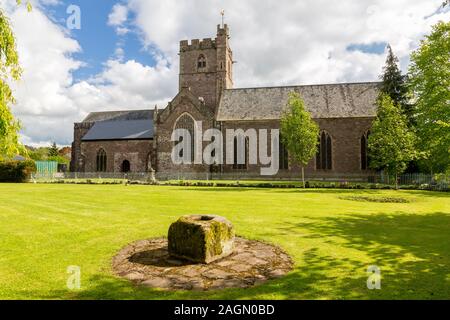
79	130
346	154
137	152
208	82
346	113
164	131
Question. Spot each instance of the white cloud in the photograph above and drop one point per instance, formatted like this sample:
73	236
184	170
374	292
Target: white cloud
118	15
290	42
48	100
43	106
275	42
119	53
122	31
125	85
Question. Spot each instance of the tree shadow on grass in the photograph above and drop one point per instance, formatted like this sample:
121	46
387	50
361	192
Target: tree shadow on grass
284	190
412	251
312	280
425	193
418	193
219	189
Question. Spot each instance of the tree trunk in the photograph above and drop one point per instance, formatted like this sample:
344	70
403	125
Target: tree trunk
396	181
303	177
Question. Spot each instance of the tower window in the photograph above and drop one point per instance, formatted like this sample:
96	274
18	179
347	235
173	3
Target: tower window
324	152
201	62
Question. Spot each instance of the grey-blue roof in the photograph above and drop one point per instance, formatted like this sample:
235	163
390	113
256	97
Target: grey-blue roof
340	100
119	115
120	130
19	158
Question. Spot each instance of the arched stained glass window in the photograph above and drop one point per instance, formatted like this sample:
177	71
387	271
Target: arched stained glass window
283	156
187	122
236	165
101	160
364	151
324	158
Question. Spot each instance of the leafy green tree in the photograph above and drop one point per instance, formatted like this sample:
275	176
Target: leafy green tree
59	159
429	82
9	71
29	7
394	84
299	133
391	143
38	154
53	151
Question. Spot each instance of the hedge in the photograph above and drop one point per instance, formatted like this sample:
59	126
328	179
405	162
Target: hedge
16	171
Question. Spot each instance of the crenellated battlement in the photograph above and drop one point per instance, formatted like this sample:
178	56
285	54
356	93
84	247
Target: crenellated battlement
223	31
197	44
206	43
206	66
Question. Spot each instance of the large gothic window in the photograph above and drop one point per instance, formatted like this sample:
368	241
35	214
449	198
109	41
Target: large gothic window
236	165
364	151
283	156
201	62
101	160
324	152
187	122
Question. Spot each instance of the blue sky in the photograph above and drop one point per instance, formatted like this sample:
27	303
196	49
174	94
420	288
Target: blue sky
373	48
130	61
97	39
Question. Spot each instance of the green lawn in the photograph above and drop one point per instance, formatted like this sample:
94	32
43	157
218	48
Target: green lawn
331	236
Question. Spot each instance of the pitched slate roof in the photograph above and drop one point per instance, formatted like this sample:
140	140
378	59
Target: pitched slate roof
120	130
119	115
323	101
120	125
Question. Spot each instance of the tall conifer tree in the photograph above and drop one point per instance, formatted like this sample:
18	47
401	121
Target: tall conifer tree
394	85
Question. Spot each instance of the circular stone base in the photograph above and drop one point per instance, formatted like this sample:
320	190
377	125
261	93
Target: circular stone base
147	262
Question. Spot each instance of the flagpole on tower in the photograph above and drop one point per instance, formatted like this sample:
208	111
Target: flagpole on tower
222	13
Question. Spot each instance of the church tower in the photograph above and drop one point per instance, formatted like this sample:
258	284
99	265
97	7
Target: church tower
206	67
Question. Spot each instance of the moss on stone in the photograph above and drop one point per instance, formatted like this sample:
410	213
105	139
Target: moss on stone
201	238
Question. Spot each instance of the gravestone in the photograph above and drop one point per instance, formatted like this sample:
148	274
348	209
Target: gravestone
201	238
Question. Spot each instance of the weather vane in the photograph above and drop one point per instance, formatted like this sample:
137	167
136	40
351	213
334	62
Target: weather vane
222	13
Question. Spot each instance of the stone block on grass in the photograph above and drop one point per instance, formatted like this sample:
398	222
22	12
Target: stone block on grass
201	238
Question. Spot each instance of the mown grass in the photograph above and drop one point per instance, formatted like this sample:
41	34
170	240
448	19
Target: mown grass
376	199
44	228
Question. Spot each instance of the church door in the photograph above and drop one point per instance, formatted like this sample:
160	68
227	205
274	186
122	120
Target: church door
126	166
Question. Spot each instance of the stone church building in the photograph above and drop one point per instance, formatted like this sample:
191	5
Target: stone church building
140	140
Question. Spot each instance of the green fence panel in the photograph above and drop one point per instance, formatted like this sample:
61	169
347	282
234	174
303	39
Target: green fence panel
46	167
